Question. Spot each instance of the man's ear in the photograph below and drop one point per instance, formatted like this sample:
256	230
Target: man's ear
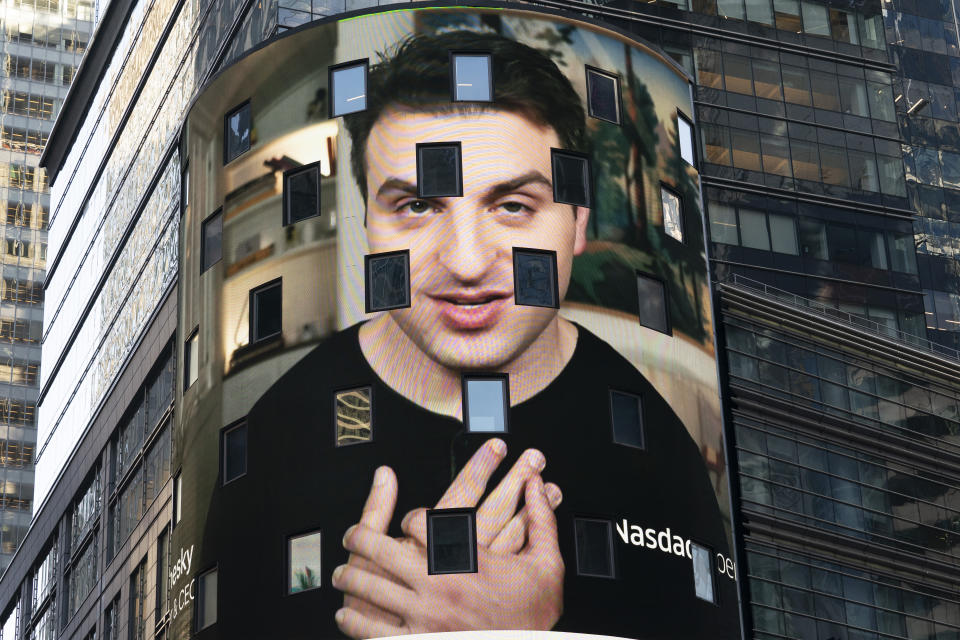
581	216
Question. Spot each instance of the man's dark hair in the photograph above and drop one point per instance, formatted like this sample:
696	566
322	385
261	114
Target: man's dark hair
417	76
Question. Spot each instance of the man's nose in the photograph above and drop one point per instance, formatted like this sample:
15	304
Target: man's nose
468	247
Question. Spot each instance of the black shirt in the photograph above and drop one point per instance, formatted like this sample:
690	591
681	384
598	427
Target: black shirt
298	480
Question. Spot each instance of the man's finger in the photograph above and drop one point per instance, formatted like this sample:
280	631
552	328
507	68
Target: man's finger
468	487
381	501
501	505
414	524
357	625
378	590
398	559
511	537
541	523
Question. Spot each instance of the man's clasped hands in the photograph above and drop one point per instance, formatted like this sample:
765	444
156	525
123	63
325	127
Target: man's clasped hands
519	582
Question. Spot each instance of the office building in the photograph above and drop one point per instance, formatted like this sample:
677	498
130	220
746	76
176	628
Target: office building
42	45
207	234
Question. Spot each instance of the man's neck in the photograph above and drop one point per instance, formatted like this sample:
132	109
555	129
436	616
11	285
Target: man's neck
400	363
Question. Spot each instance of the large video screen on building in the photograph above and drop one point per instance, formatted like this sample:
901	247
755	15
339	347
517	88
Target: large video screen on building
448	352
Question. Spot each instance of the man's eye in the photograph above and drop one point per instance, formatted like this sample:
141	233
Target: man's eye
415	207
514	207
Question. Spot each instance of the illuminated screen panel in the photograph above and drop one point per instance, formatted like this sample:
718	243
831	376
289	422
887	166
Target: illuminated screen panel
466	333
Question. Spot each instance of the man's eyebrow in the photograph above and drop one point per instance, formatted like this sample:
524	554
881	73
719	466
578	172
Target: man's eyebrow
396	184
509	186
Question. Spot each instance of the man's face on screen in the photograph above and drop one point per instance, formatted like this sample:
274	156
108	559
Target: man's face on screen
462	312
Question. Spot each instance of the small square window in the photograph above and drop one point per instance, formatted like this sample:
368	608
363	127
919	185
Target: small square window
206	611
603	95
438	170
626	414
266	311
571	178
653	308
388	280
486	403
672	213
535	278
301	193
234	452
594	546
348	88
236	132
451	541
354	415
191	358
211	240
685	136
305	558
472	77
703	582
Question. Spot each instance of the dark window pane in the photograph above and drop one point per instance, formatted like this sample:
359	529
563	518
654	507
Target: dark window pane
843	26
796	85
594	540
716	144
736	73
388	281
451	541
709	68
471	77
826	95
486	403
753	230
301	190
354	415
348	89
833	166
766	78
730	9
626	412
806	160
234	453
746	150
863	171
237	132
571	179
438	170
815	19
723	224
853	96
535	278
783	234
776	155
759	11
305	557
266	309
653	303
787	13
604	95
211	250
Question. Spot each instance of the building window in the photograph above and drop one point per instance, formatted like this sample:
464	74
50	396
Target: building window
572	182
703	583
348	88
236	132
266	311
136	628
753	230
191	358
626	416
535	278
451	541
111	620
723	224
206	605
653	306
439	173
388	280
304	561
177	498
685	138
603	95
472	77
672	213
594	546
486	403
301	193
211	240
353	415
163	581
233	452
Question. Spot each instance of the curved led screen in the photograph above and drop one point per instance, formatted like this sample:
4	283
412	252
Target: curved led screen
448	351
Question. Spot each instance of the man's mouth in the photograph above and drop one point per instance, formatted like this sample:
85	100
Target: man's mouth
473	310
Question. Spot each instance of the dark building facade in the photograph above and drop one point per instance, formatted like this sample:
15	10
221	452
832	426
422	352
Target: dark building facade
827	161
